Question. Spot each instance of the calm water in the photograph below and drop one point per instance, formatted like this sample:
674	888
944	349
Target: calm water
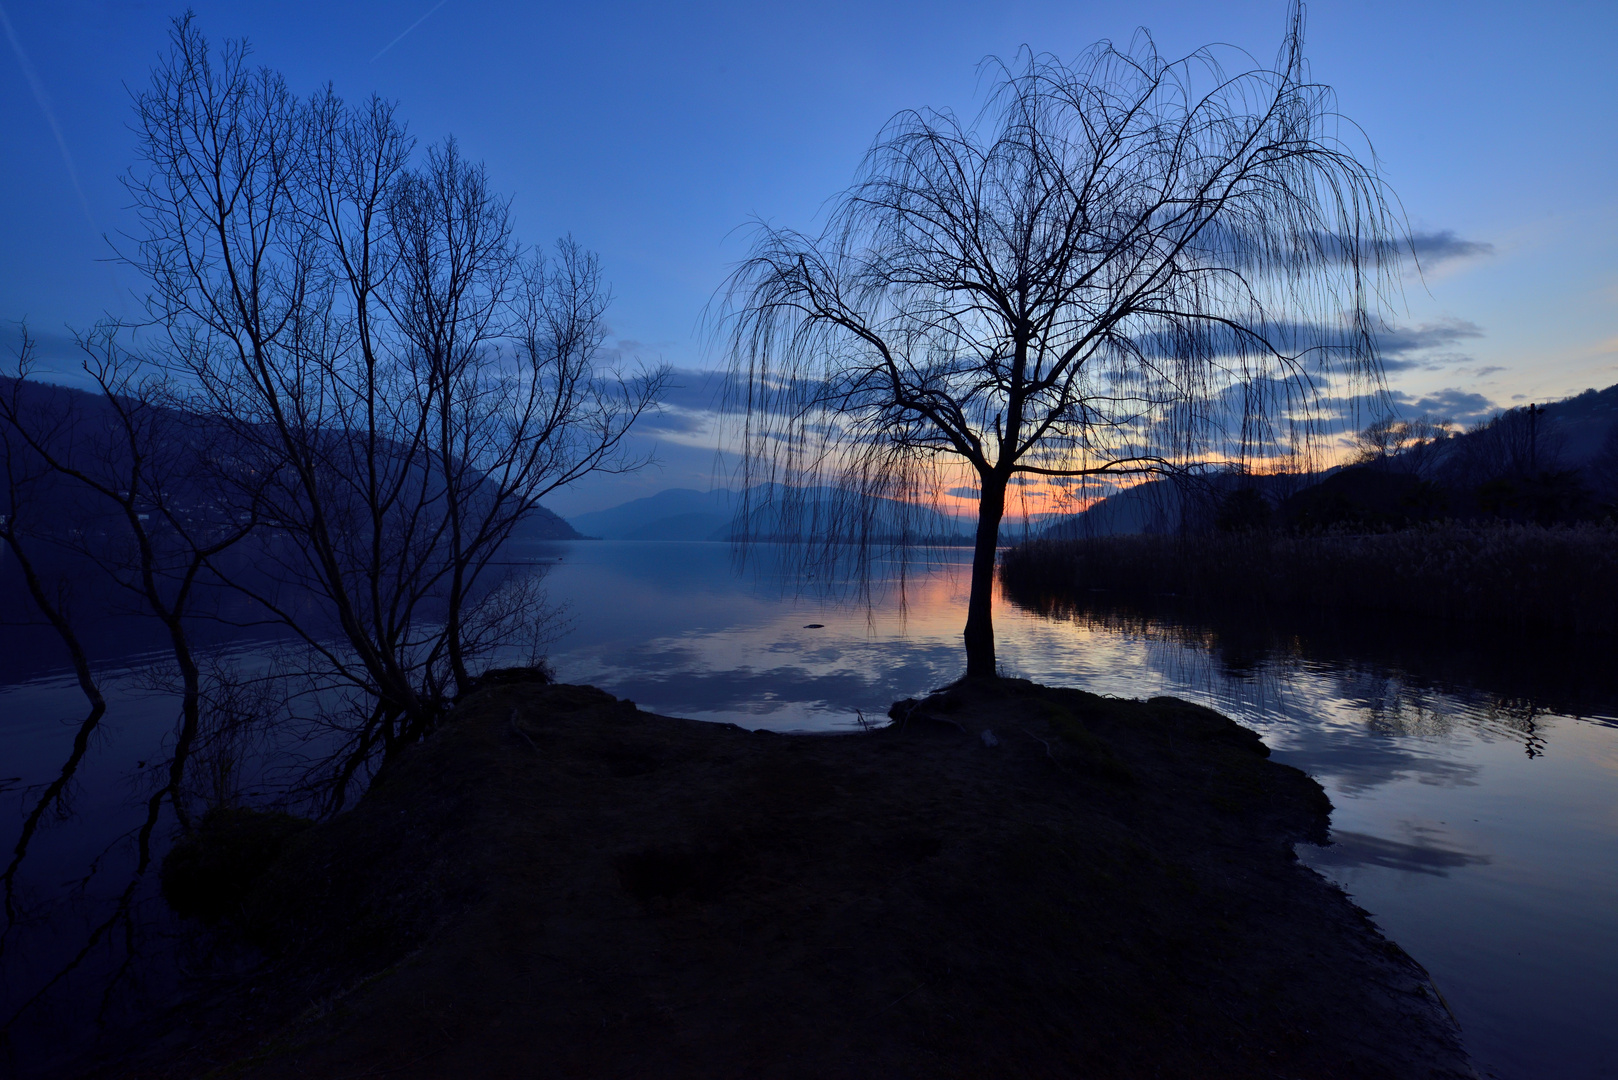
1475	781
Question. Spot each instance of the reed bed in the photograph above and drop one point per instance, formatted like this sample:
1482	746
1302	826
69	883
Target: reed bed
1526	577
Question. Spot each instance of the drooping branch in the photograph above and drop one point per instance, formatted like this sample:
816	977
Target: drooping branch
1127	265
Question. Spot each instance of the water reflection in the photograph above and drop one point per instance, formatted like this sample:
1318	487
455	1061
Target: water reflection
1475	779
1427	855
1475	784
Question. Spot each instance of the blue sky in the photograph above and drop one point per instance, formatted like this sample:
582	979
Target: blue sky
650	132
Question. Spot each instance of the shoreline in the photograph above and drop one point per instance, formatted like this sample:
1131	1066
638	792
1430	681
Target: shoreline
1529	578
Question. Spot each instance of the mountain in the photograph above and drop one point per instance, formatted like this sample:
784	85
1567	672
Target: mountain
1576	427
1152	507
542	524
684	514
93	413
813	513
675	514
1561	467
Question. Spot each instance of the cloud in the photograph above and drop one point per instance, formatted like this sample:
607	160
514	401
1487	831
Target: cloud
674	421
57	357
1462	406
1442	246
695	398
58	346
1404	340
1346	414
1402	347
626	347
1407	347
694	390
1431	248
1240	247
1363	849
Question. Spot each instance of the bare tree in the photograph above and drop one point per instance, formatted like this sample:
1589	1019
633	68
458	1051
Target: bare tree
99	491
1128	266
359	390
1413	445
27	495
401	382
129	463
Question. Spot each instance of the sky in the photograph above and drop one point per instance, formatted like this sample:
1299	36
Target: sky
652	133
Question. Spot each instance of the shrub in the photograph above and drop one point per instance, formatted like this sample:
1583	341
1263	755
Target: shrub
208	874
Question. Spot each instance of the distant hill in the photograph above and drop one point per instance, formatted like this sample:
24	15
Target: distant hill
685	514
1576	427
1574	432
94	413
810	513
675	514
1576	435
1152	507
542	524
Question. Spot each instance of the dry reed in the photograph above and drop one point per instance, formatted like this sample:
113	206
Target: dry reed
1525	577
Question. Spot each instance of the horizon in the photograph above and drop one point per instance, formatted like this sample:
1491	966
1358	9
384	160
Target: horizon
958	504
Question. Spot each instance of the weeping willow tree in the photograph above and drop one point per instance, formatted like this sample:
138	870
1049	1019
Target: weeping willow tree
1127	266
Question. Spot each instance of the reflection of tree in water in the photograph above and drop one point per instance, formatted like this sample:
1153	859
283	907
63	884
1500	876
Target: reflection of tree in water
1524	717
872	577
1443	683
1408	711
1402	710
1469	665
1238	674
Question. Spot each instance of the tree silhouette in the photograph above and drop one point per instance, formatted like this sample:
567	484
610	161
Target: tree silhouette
1128	265
398	381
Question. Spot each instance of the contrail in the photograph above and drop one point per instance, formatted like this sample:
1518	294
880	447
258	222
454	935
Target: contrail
409	28
50	115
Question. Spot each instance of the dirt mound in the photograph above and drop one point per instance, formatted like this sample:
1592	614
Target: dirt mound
1010	880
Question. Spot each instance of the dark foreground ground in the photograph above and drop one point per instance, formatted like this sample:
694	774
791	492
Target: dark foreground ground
561	885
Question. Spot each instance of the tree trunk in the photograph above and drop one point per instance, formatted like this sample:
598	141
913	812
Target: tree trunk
980	606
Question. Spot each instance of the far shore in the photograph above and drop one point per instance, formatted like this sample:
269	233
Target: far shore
1561	578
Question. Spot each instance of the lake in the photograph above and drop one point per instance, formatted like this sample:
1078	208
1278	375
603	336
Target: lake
1475	780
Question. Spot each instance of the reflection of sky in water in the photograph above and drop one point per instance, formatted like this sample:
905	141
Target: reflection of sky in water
1481	832
1495	868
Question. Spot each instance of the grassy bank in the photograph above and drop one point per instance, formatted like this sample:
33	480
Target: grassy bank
1526	577
558	884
